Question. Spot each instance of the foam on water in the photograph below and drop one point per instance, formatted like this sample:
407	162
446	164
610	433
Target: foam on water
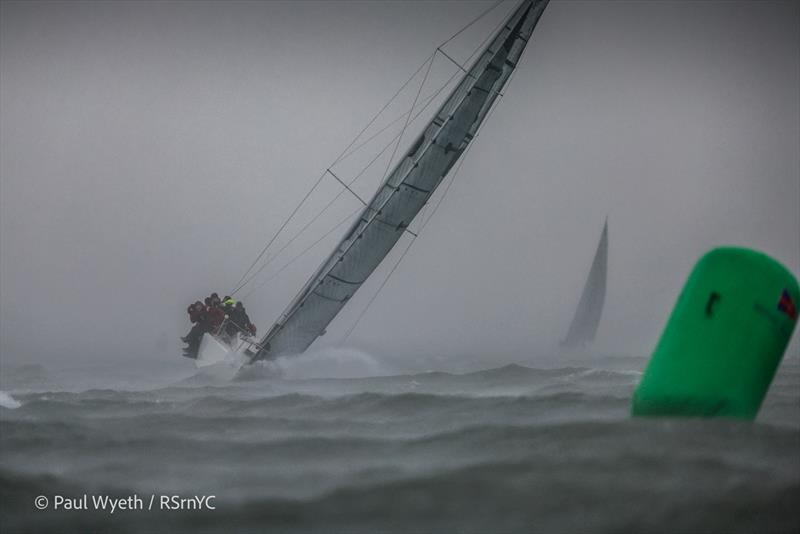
327	363
7	401
329	449
330	363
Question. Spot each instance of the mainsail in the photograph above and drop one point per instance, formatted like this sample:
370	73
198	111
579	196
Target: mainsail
590	308
404	192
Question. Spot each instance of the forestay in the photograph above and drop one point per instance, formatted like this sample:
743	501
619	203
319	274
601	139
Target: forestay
404	192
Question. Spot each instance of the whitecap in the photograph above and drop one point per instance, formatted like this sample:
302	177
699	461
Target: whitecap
7	401
329	363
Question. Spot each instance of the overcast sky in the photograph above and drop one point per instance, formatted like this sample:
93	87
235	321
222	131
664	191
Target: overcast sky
149	150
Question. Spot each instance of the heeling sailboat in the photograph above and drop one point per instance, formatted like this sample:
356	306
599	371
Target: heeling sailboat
590	307
405	191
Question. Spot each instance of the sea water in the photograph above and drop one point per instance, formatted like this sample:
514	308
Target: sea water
517	448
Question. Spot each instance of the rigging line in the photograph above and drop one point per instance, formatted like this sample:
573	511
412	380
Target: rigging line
495	105
444	192
460	66
324	270
460	163
464	157
317	216
479	17
430	58
456	63
293	239
345	154
403	255
238	286
408	119
427	100
436	93
375	295
433	212
364	202
312	245
421	218
357	176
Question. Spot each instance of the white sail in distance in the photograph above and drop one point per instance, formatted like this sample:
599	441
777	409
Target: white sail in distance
590	307
405	191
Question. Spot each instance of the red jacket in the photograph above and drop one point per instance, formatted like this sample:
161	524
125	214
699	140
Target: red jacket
214	318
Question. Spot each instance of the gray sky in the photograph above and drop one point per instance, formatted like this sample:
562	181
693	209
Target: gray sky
149	150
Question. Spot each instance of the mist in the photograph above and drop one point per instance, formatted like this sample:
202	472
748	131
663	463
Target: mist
148	151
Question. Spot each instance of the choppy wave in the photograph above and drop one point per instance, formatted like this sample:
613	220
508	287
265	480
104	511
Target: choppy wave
497	450
7	401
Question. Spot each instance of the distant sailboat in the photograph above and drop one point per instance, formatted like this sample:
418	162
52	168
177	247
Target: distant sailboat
590	307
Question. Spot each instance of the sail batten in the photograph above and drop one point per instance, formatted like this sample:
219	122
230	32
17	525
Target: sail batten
406	189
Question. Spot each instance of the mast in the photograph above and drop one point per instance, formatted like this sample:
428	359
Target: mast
590	307
405	191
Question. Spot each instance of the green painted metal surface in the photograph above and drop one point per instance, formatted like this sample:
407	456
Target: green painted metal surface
724	339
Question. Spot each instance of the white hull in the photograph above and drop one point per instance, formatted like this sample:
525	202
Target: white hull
213	351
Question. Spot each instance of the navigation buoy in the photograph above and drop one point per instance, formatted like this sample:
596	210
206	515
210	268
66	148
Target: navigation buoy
724	339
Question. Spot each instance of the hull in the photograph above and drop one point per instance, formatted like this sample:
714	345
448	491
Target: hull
214	351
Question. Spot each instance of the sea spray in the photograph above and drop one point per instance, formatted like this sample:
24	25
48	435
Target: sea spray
330	363
7	401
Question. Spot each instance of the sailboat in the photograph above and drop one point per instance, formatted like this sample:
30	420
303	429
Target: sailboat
590	307
386	217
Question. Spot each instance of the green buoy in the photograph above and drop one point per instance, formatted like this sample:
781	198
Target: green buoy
724	339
